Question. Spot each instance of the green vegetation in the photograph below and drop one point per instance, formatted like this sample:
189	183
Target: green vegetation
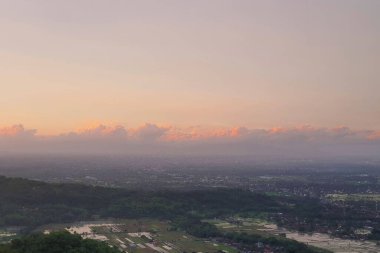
207	230
30	203
161	233
57	242
289	246
375	235
354	197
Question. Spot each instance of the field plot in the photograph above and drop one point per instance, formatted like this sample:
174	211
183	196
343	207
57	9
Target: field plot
354	197
6	236
142	236
256	226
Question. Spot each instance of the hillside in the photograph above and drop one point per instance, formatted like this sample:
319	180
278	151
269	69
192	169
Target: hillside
57	242
29	204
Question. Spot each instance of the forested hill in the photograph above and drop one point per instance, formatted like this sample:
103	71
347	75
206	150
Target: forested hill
56	242
31	203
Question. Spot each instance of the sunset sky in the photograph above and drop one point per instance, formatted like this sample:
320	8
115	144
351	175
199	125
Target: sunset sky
212	65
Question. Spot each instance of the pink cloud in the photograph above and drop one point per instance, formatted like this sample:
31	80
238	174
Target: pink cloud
315	134
151	138
103	131
199	133
17	131
374	136
149	132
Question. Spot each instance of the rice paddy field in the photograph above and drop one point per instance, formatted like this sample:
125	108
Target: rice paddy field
325	241
6	236
354	197
141	236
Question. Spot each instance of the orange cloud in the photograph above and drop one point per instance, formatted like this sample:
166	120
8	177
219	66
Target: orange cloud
149	132
374	136
300	129
169	133
198	133
103	130
16	130
152	138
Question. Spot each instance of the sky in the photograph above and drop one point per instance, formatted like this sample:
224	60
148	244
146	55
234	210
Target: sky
181	71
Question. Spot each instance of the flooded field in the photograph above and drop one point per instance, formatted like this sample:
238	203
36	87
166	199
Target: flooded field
354	197
325	241
317	239
335	244
87	230
140	236
6	236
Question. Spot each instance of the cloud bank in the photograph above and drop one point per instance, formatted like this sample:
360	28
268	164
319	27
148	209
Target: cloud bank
304	141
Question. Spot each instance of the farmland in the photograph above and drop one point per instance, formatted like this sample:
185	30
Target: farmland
320	240
354	197
6	236
141	236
